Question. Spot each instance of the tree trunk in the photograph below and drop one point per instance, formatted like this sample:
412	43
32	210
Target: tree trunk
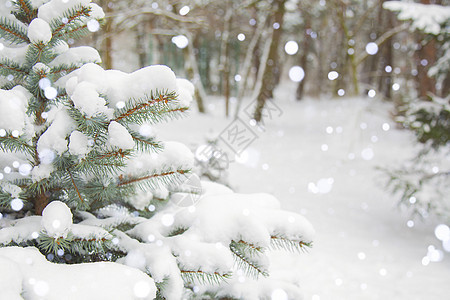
385	83
304	56
107	59
142	44
268	80
40	202
426	57
224	58
193	73
41	199
246	66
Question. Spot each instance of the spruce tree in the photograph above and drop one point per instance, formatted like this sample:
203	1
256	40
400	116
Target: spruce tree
77	147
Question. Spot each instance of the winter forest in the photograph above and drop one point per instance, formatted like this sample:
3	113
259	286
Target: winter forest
203	149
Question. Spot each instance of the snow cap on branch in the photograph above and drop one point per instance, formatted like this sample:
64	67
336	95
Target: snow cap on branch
75	55
57	219
119	87
87	99
96	11
78	143
426	17
39	31
54	138
54	9
119	136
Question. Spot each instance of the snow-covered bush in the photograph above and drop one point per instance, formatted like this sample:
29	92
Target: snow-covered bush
85	180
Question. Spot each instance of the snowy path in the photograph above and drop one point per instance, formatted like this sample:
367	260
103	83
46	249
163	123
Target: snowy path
363	248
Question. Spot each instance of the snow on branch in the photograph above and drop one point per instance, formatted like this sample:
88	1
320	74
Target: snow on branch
429	18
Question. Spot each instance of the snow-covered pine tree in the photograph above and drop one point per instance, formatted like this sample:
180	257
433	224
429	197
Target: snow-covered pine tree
423	182
84	178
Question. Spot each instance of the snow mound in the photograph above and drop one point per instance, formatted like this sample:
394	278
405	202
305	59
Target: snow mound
25	272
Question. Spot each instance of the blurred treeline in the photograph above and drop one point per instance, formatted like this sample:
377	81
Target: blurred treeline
237	48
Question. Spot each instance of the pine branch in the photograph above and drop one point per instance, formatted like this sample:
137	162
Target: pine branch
37	53
103	163
9	85
283	243
95	126
152	108
49	244
102	194
76	32
133	180
190	276
64	69
250	248
75	245
13	32
72	21
247	260
145	144
25	11
135	106
9	67
161	286
5	198
76	187
177	231
40	187
9	143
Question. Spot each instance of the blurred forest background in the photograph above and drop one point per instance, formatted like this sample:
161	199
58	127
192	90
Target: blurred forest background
395	51
241	48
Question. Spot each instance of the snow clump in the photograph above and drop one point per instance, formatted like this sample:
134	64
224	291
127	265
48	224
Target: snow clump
57	219
39	31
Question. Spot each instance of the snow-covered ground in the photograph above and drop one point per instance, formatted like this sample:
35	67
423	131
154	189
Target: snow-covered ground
320	159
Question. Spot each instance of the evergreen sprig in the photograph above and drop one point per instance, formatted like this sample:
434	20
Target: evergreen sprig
24	11
246	257
294	245
80	247
72	21
11	143
10	67
49	244
5	198
433	127
13	32
38	53
103	164
102	193
161	286
64	69
177	231
153	179
153	108
191	276
76	32
94	127
145	143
